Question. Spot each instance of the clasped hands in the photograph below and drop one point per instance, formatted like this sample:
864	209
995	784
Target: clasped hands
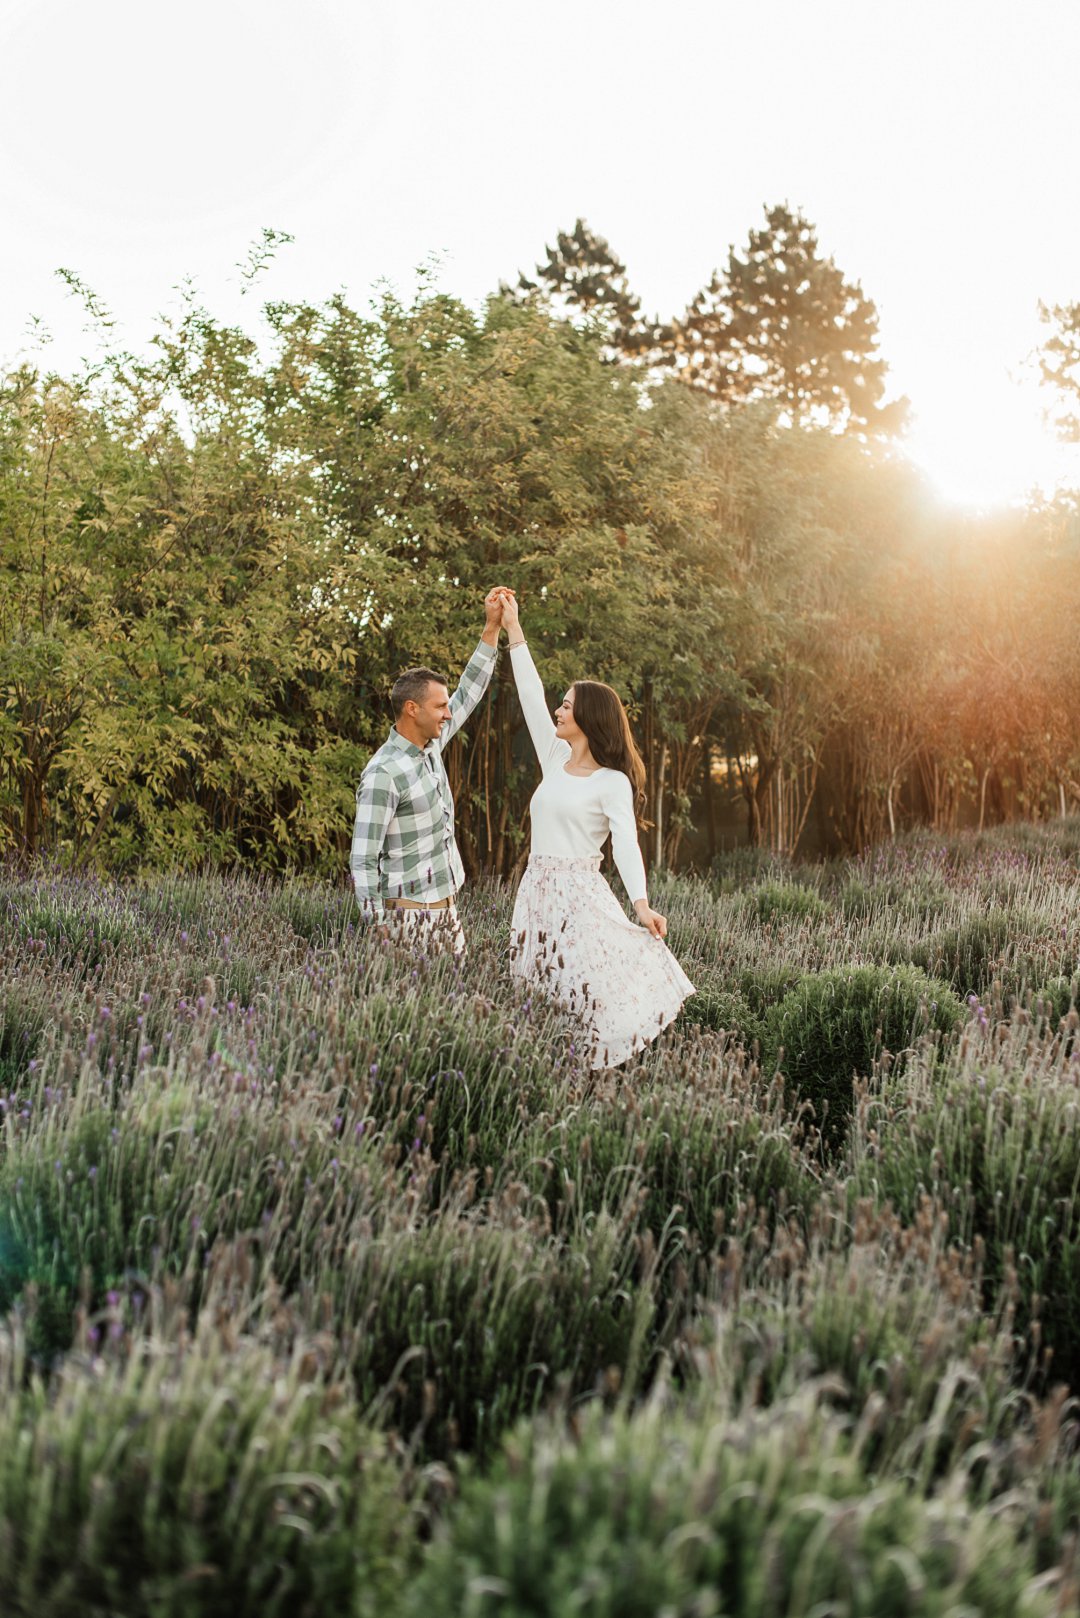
500	610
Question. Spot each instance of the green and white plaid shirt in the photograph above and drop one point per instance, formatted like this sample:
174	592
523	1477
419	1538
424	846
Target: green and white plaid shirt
403	840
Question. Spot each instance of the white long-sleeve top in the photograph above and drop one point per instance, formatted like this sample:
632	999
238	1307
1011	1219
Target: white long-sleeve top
573	814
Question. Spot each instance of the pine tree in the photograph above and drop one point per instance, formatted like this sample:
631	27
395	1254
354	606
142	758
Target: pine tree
582	272
782	323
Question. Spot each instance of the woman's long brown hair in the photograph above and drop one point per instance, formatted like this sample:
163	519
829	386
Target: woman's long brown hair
601	715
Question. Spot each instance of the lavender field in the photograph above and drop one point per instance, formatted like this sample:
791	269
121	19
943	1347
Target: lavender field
331	1281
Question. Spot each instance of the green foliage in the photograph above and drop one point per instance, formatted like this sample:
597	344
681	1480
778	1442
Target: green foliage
582	274
24	1017
970	955
220	1478
316	916
856	899
763	987
462	1327
911	891
766	1513
990	1131
833	1025
1058	997
738	868
216	556
689	1153
788	900
257	518
892	1309
122	1188
725	1010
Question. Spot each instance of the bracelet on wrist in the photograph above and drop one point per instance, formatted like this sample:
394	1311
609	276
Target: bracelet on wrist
512	643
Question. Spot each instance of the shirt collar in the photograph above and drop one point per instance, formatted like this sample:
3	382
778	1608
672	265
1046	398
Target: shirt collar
402	744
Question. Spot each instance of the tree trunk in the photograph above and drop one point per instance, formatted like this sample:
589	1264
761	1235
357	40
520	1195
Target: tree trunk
658	856
982	796
760	799
779	836
809	791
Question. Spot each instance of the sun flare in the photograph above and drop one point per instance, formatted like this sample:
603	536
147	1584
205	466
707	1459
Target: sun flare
991	446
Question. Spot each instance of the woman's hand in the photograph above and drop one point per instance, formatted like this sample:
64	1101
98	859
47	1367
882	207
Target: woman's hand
510	619
493	603
651	919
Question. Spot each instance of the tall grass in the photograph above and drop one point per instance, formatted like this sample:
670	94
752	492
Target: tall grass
716	1509
197	1473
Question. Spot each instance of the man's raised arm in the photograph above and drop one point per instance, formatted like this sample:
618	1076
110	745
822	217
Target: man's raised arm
476	675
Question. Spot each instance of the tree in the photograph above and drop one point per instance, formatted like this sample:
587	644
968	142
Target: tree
215	558
1059	362
168	693
55	660
504	446
782	324
786	552
582	272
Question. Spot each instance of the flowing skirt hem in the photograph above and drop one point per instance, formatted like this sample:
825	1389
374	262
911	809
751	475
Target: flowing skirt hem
571	936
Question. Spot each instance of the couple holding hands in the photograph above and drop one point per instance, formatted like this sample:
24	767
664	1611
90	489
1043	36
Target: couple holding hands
569	934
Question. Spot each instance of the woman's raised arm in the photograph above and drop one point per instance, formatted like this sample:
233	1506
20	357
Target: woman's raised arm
551	750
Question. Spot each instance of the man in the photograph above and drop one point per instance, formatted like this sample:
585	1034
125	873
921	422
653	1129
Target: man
405	863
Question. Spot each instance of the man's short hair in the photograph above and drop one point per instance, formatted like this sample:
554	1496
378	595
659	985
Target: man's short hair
412	687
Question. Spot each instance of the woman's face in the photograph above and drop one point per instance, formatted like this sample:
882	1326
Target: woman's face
565	724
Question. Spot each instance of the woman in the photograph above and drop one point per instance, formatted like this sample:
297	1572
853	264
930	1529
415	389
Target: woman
569	930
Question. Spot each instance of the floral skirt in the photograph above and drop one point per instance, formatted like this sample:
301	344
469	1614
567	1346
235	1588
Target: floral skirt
571	935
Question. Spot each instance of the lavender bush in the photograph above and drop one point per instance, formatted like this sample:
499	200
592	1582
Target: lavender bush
303	1226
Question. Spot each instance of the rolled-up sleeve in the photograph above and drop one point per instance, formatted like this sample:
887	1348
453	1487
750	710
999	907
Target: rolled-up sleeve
376	801
475	679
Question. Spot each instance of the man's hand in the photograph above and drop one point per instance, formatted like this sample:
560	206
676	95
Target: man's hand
493	613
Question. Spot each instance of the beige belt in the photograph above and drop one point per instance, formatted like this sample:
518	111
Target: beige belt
418	904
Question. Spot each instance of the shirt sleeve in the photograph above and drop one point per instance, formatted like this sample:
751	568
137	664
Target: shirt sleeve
475	679
550	747
618	804
376	802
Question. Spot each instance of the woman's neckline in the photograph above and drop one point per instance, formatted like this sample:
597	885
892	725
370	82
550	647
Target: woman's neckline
579	775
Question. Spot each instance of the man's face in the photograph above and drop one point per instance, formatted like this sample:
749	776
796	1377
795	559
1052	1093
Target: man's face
430	715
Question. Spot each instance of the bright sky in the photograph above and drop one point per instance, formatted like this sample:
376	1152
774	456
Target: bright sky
935	143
